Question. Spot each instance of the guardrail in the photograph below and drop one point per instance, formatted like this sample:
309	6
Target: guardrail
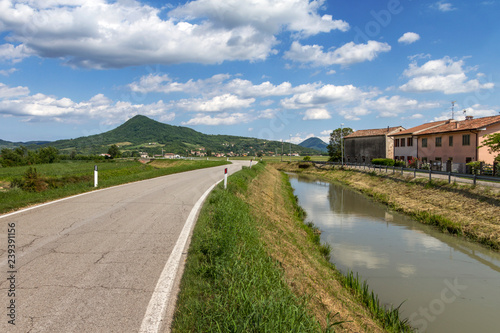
420	172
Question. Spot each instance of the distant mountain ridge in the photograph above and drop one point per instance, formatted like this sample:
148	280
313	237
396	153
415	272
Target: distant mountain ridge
314	143
10	145
141	133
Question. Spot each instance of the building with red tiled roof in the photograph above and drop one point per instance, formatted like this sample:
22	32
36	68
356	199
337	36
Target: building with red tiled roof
458	141
405	142
365	145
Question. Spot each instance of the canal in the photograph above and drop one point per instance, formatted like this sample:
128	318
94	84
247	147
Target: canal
446	284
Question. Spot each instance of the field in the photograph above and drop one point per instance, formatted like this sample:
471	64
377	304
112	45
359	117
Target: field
73	177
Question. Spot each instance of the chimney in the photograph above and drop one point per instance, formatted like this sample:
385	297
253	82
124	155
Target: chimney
469	117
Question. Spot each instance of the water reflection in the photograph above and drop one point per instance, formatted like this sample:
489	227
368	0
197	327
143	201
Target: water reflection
448	285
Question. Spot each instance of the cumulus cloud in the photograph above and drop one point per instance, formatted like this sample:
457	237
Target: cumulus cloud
7	72
7	92
19	103
220	119
115	34
345	55
409	38
324	95
443	75
316	114
220	103
269	16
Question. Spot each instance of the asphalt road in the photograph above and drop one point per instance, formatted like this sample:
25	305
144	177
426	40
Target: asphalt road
91	263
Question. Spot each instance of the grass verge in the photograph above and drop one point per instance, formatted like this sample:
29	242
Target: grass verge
255	266
230	284
70	178
462	210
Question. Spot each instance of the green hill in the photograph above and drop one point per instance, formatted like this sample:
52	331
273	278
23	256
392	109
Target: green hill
314	143
144	134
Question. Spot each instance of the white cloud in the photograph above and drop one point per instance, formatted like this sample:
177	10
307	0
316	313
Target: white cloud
269	16
345	55
409	38
14	53
326	132
443	6
7	92
416	116
220	103
105	34
316	114
324	95
7	72
476	110
443	75
221	119
354	113
19	103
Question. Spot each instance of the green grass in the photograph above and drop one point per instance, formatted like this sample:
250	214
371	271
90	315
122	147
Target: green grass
230	284
389	318
110	174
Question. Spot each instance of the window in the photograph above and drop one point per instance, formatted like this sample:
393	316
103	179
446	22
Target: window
402	142
424	159
438	141
466	140
396	143
450	141
424	142
410	142
468	159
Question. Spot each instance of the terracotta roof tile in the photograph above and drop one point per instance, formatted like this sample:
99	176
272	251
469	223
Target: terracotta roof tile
421	128
374	132
463	125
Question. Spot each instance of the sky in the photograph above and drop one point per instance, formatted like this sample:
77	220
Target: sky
270	69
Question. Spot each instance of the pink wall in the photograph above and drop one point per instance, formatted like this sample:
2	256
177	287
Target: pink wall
484	154
458	151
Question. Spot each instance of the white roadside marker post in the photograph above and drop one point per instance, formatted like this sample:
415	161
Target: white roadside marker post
250	163
95	176
225	178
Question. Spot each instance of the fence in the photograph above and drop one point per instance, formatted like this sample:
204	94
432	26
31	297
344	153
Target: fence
483	174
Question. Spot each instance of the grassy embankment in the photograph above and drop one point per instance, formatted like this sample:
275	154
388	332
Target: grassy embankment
254	266
462	210
69	178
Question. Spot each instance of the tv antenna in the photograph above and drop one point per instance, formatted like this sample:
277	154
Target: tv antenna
453	109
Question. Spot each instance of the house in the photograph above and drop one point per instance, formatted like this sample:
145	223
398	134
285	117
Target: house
405	142
365	145
458	141
169	155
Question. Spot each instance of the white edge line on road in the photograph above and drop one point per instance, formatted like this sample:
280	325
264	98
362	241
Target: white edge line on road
82	194
157	306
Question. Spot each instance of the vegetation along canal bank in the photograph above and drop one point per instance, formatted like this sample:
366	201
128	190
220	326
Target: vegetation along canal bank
253	265
463	210
22	186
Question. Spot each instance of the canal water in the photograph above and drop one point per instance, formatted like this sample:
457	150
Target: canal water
447	284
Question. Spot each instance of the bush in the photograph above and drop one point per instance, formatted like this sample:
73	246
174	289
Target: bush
383	161
306	158
399	163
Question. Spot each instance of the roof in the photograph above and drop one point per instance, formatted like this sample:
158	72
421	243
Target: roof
421	128
463	125
374	132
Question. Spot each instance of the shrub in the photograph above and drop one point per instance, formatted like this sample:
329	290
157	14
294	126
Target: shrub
306	158
399	163
383	161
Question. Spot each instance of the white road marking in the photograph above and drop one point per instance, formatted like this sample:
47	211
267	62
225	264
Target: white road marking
157	306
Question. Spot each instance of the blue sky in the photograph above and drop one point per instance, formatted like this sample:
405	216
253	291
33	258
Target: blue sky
259	68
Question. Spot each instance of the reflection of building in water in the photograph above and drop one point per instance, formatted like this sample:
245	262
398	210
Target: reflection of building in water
346	201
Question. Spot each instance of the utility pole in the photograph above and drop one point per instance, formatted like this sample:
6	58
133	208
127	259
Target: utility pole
342	143
453	109
281	150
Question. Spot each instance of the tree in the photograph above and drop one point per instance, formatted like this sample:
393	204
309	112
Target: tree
493	143
114	151
335	148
